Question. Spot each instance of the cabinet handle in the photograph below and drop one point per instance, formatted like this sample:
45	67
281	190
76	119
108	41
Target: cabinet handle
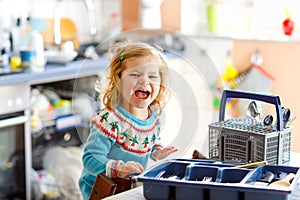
13	121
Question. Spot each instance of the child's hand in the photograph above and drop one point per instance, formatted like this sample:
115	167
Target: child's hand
161	153
129	167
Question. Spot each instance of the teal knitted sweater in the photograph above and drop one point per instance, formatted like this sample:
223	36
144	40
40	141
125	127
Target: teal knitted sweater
116	136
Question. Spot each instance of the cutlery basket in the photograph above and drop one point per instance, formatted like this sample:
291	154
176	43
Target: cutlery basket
242	140
208	180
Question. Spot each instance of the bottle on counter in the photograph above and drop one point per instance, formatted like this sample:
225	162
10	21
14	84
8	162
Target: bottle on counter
29	43
36	44
5	44
4	61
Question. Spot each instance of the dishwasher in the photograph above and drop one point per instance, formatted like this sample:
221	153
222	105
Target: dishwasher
61	135
15	142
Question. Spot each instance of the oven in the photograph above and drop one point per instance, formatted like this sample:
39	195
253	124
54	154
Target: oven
15	142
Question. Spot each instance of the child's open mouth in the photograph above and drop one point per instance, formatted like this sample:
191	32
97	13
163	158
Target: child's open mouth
142	94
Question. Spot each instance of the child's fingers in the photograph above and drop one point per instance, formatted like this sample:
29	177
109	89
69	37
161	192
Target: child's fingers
171	149
135	166
130	168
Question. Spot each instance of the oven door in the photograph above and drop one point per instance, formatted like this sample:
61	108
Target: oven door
12	156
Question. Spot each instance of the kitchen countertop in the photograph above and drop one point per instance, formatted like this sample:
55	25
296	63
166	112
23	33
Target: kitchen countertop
56	72
137	193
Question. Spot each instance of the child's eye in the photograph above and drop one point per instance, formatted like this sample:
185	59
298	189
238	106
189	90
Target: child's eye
134	75
153	76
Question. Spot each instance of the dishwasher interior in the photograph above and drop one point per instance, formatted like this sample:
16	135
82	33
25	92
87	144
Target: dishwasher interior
59	127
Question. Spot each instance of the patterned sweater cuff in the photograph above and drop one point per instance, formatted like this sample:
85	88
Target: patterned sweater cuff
112	167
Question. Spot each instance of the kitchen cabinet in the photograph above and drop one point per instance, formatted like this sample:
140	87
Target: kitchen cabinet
170	14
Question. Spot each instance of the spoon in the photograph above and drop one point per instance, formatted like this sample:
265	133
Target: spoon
254	109
268	120
285	182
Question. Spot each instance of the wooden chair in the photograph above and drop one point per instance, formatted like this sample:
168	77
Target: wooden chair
105	186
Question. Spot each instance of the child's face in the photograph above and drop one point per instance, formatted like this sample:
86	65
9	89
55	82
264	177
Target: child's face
140	82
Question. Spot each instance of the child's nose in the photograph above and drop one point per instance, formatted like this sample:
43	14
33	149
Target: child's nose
144	80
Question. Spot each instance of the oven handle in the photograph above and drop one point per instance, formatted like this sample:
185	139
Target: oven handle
13	121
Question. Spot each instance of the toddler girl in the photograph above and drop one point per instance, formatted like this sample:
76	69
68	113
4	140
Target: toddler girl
125	134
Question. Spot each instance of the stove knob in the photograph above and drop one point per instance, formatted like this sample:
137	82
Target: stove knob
19	101
9	103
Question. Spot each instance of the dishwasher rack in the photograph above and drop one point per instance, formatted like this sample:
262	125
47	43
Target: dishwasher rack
243	140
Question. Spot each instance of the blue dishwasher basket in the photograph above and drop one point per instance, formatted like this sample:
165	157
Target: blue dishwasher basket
185	179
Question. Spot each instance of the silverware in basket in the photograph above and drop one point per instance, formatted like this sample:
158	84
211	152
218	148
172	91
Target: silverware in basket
254	111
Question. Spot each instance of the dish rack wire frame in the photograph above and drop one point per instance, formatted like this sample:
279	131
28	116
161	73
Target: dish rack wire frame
241	140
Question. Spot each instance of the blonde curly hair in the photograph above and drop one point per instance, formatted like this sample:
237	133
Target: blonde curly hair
118	54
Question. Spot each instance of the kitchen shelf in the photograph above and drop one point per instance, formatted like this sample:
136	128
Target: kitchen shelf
246	36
